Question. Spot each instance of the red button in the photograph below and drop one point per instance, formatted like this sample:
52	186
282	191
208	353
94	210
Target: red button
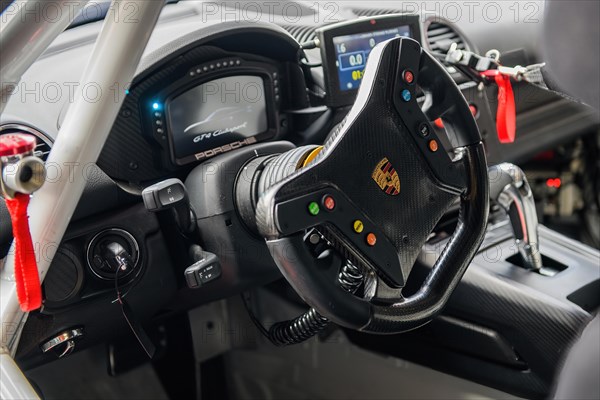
371	239
14	144
329	203
439	123
408	76
473	109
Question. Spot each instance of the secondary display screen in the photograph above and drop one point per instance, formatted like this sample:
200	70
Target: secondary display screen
352	52
217	113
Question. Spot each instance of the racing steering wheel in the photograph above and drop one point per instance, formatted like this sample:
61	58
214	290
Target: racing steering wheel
376	190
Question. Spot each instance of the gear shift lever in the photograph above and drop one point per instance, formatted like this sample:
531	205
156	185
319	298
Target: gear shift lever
510	189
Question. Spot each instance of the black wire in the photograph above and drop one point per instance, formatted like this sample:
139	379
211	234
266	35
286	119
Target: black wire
120	299
130	284
252	315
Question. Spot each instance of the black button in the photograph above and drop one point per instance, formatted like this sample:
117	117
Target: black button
424	129
171	194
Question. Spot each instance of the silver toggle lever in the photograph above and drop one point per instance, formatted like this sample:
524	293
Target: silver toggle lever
509	189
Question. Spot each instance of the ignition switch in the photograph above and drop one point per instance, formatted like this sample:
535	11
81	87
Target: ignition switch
113	250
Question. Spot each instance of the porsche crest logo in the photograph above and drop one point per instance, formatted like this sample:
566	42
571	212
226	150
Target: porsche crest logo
386	177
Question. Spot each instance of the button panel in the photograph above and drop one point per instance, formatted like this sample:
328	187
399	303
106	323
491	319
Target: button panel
353	229
424	134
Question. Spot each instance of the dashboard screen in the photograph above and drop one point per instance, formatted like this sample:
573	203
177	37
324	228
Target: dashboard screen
217	113
352	52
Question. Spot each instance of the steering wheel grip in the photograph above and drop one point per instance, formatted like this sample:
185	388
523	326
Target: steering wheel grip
315	280
450	267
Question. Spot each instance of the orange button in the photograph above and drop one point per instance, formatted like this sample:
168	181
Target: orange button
371	239
433	146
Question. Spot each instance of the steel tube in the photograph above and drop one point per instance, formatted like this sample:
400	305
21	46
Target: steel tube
86	126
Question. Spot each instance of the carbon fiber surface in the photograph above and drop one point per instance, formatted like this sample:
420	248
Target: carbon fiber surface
350	157
134	154
383	138
530	311
451	265
129	154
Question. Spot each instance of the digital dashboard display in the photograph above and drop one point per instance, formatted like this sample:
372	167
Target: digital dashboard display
217	113
352	52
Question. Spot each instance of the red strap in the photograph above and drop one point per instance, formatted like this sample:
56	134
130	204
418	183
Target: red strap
29	289
506	114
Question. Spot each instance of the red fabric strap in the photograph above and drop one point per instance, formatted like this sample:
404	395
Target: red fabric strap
506	114
29	289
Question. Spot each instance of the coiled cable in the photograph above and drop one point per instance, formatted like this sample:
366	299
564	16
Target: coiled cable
310	323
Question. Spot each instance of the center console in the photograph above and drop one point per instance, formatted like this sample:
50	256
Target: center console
526	321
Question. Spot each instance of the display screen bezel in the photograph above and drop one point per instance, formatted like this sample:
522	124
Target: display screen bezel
270	110
335	97
182	146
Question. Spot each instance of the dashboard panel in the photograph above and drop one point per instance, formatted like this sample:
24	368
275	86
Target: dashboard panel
345	49
215	106
202	99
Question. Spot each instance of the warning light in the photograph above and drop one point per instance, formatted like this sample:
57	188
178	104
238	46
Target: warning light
554	183
373	22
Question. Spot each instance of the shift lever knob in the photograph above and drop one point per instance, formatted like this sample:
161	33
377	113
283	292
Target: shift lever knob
509	189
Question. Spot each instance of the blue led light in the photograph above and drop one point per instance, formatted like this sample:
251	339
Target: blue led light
156	106
126	92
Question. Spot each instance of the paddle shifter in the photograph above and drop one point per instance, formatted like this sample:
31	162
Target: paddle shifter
509	189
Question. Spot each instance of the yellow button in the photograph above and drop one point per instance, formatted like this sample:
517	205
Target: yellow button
358	226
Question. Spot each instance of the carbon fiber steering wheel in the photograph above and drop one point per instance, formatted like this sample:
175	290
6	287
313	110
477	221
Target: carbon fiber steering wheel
376	190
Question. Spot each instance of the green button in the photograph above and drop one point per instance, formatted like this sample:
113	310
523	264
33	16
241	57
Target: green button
314	208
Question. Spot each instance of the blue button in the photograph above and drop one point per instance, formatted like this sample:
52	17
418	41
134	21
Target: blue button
406	96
